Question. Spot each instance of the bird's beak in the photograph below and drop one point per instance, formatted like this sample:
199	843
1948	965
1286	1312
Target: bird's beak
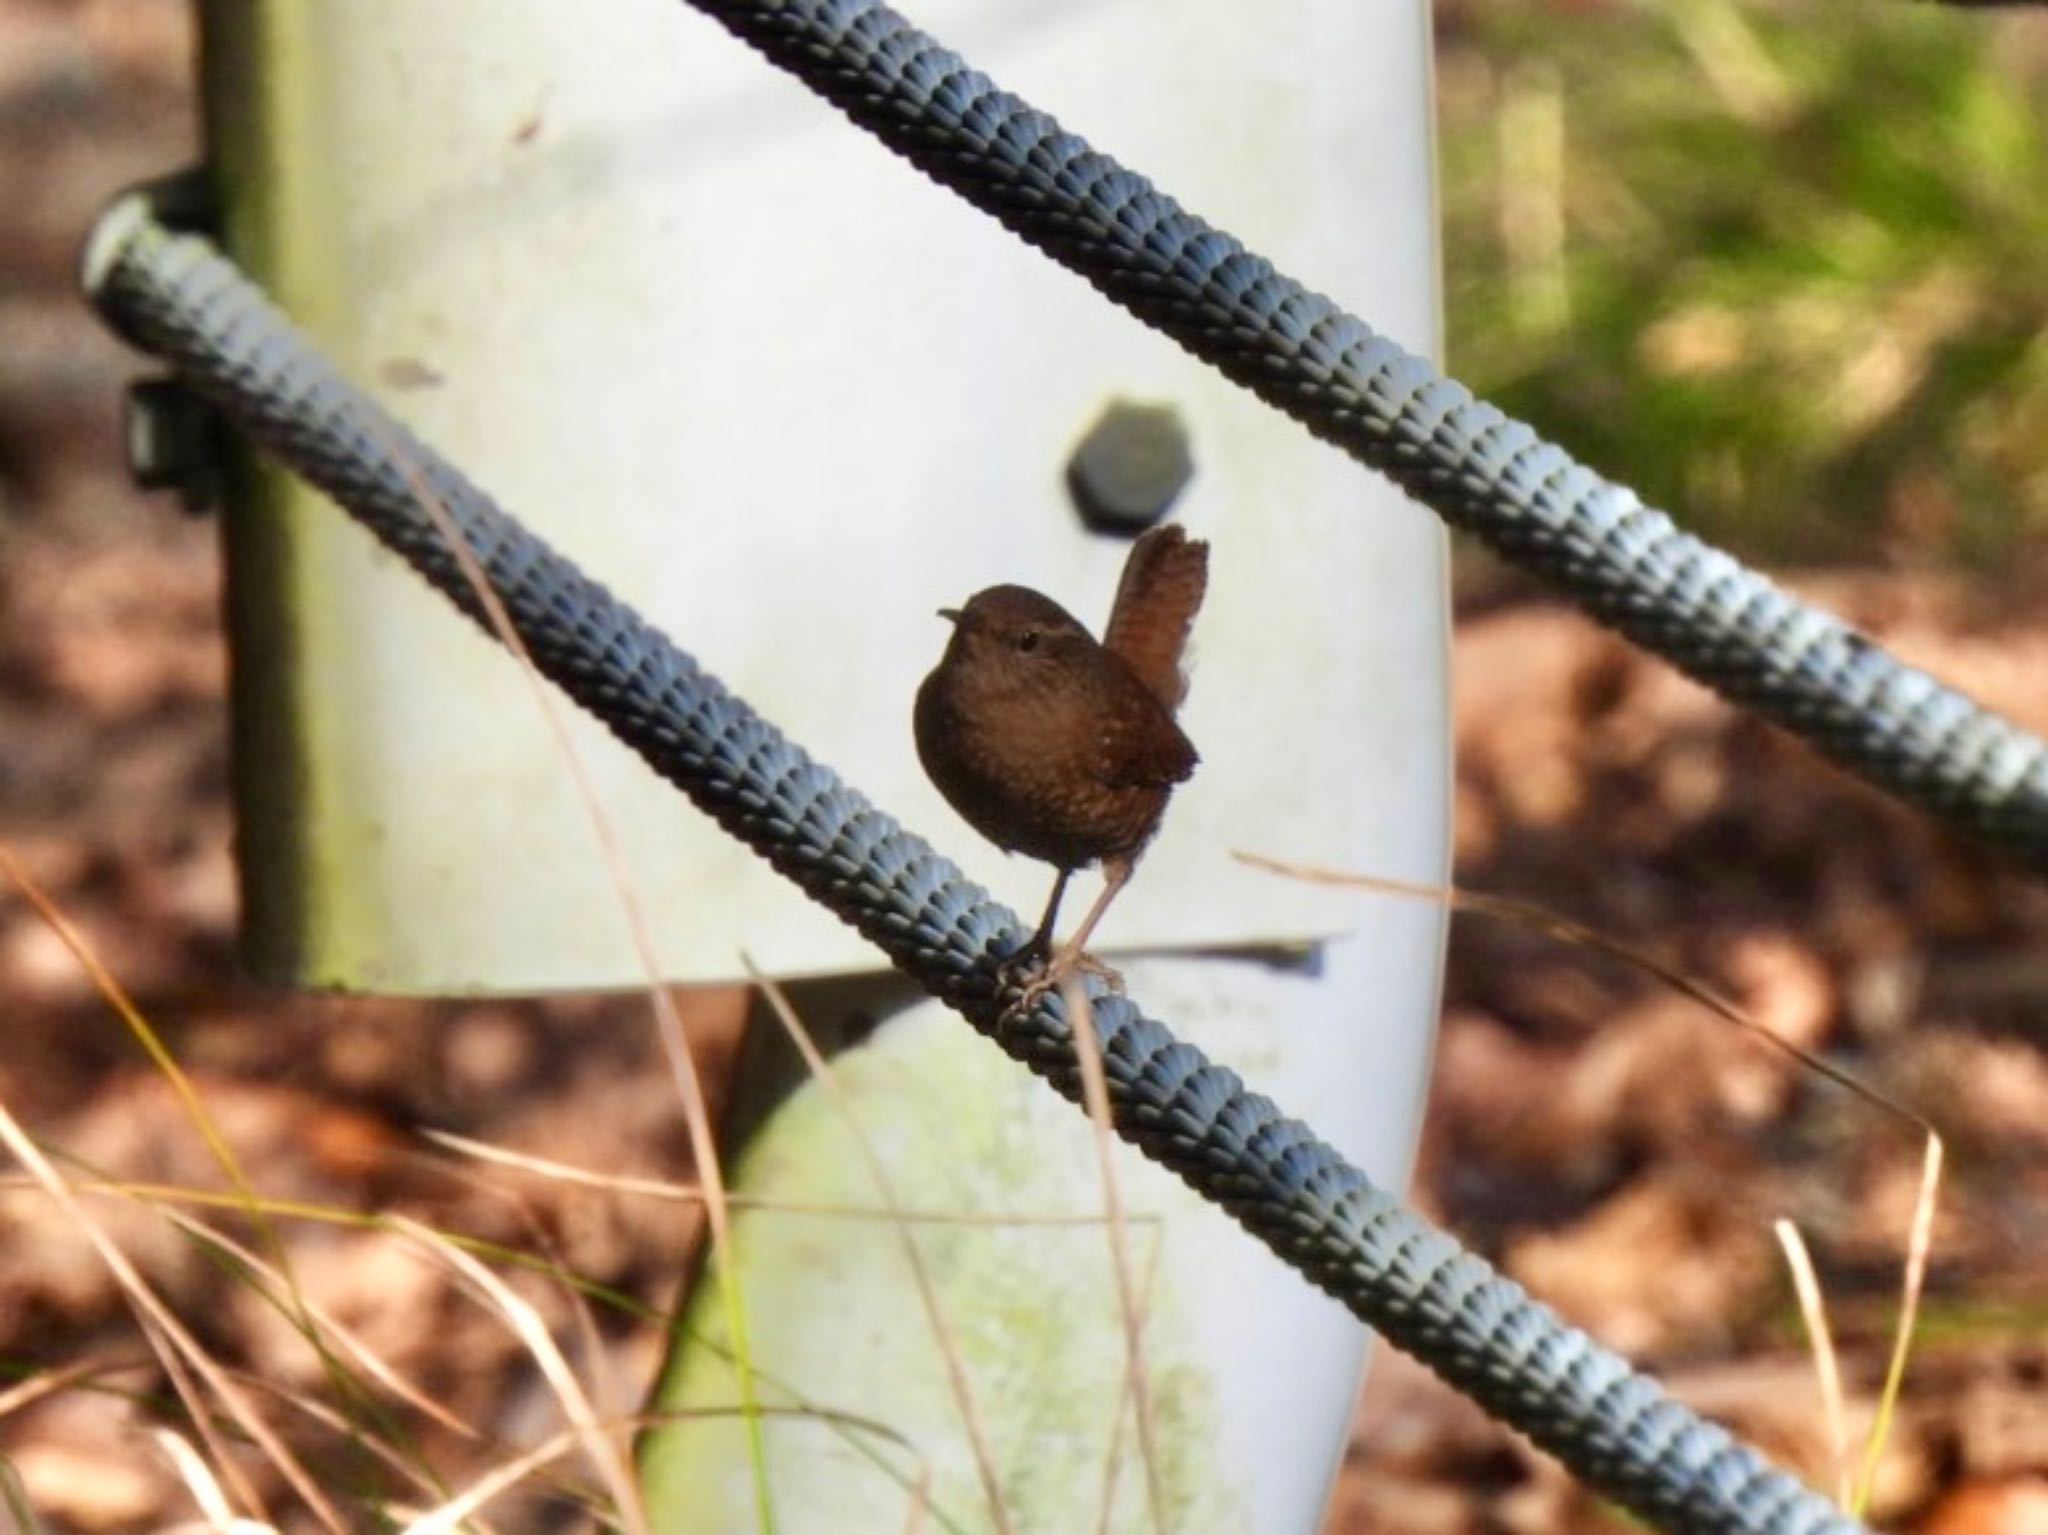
950	615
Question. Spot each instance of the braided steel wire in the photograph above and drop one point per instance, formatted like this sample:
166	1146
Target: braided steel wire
1482	471
176	296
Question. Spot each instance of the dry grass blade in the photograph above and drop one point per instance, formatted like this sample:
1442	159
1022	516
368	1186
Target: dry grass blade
1113	1463
603	1387
920	1505
1920	1238
563	1172
499	1479
331	1330
927	1290
1820	1336
1911	1287
14	1501
342	1426
210	1199
675	1044
44	1383
164	1328
200	1481
244	1196
1577	933
1137	1379
188	1392
683	1193
117	998
526	1323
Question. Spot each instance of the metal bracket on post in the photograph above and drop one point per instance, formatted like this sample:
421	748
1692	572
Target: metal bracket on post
172	439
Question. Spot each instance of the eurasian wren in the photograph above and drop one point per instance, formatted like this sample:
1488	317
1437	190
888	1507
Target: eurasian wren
1053	745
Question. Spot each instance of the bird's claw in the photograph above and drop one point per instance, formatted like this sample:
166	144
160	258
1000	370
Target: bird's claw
1017	967
1051	974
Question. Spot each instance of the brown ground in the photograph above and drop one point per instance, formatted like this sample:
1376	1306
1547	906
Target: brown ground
1614	1147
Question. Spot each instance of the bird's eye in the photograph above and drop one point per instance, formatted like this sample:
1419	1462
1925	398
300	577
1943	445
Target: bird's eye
1028	641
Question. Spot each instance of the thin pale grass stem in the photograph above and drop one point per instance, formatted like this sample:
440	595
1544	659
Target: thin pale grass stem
316	1411
856	1429
920	1505
1095	1094
1827	1369
605	1386
165	1331
527	1325
14	1501
675	1043
187	1391
1911	1290
26	1393
651	1188
927	1290
501	1479
198	1478
1526	914
172	1193
618	1300
604	1379
684	1193
347	1343
58	1380
1920	1237
301	1314
117	998
1113	1464
497	1480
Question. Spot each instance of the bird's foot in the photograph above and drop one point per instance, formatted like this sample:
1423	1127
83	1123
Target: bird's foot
1051	975
1080	962
1020	965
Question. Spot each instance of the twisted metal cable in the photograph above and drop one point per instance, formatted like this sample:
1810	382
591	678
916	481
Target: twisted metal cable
1480	470
176	296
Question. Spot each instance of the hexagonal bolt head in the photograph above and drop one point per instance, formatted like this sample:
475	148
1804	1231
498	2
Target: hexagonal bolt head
1130	467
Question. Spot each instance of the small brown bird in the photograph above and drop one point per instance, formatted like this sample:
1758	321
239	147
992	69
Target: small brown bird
1055	746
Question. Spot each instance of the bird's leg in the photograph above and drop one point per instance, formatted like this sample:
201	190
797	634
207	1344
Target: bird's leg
1072	956
1041	941
1033	955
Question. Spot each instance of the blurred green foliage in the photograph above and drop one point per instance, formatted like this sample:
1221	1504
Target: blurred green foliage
1782	267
